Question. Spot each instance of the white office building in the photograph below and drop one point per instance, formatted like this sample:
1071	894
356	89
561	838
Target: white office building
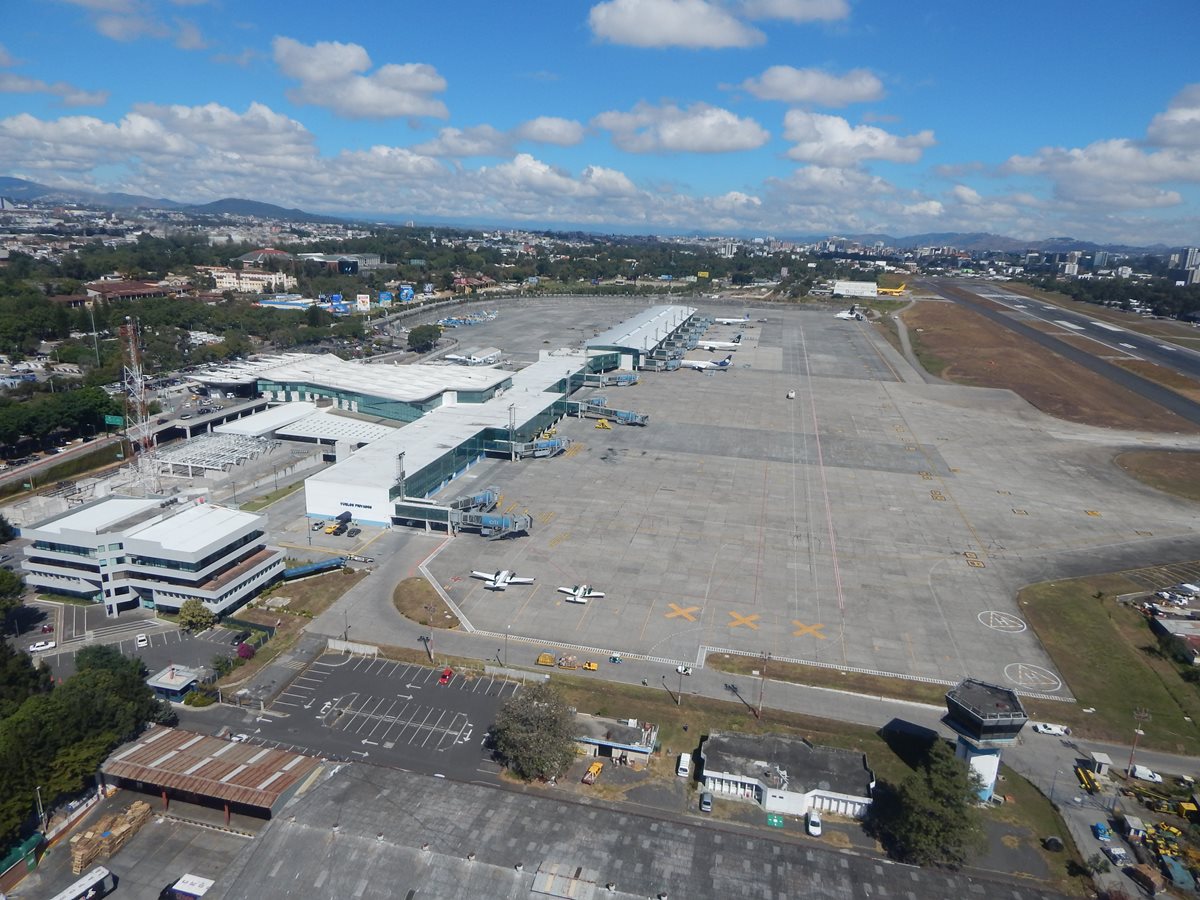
125	552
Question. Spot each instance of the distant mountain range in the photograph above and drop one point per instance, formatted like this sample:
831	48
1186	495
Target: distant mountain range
23	191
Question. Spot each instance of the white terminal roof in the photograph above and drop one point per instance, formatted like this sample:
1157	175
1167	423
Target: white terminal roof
100	518
426	440
327	425
645	330
409	384
267	422
195	527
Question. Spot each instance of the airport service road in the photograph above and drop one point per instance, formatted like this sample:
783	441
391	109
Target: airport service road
393	714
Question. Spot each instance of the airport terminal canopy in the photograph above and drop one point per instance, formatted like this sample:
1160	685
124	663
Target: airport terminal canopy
442	444
638	336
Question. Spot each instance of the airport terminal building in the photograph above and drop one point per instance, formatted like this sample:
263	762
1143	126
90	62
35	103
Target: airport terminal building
126	552
451	416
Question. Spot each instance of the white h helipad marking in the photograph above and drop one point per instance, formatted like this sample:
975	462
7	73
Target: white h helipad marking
1002	621
1033	678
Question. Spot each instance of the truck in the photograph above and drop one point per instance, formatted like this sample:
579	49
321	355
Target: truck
593	772
1147	879
546	659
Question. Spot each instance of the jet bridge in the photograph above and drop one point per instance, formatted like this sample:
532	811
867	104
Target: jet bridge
610	379
598	408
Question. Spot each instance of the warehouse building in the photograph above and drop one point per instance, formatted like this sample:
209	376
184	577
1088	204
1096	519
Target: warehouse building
787	775
124	552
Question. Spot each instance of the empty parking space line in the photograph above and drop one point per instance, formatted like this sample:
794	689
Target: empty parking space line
434	727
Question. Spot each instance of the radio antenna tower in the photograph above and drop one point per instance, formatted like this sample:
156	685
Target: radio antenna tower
138	428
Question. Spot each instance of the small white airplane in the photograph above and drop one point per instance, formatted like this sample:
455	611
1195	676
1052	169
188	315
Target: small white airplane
721	345
852	313
580	593
742	320
707	363
498	581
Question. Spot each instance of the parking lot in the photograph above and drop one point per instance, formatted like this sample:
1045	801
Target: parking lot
76	627
392	713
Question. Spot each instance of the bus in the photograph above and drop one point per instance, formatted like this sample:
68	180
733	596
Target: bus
96	883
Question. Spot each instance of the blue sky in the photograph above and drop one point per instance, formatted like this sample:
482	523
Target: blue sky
771	117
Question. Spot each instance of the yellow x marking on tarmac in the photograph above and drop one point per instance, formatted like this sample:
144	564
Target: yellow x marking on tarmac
739	619
678	612
814	630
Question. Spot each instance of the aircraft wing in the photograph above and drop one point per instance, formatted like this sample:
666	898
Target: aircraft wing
515	580
567	590
486	576
594	594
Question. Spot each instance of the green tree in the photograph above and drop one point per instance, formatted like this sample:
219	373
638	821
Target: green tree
534	733
7	532
12	587
19	679
195	616
424	337
932	819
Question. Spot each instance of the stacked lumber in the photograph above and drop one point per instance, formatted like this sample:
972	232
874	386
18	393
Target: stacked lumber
107	836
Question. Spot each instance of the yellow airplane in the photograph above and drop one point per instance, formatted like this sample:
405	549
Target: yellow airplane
892	292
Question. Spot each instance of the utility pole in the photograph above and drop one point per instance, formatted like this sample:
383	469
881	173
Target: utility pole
41	810
1141	714
762	686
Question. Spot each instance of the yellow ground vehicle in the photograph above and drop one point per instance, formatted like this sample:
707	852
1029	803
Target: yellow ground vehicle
603	424
331	527
545	659
590	666
593	772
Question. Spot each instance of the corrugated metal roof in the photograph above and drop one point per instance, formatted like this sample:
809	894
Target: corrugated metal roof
242	773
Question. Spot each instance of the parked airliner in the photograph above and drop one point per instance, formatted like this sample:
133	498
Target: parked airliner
707	363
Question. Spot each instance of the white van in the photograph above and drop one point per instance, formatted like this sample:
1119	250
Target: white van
685	765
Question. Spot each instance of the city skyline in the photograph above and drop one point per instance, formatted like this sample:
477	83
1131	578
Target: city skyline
786	117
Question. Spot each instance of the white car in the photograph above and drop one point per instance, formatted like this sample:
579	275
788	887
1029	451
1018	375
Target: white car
813	823
1048	728
141	641
41	646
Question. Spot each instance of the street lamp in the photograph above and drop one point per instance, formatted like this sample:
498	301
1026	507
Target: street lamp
41	810
1141	714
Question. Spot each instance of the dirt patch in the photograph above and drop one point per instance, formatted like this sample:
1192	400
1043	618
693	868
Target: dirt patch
312	596
1170	471
416	599
1168	378
976	351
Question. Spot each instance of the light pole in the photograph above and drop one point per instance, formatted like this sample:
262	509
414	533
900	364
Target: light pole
507	629
679	694
1141	714
762	686
41	811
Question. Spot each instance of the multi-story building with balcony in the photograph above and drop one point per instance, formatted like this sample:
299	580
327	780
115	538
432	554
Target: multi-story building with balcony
125	552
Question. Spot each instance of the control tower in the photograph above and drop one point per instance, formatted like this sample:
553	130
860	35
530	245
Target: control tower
986	717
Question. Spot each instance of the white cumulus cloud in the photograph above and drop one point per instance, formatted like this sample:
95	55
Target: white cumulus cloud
1179	126
668	129
815	86
330	76
832	141
797	10
478	140
68	95
550	130
670	23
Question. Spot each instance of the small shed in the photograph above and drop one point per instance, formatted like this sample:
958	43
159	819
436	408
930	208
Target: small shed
1101	763
174	682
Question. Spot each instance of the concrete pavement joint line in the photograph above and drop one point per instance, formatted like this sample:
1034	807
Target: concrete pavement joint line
812	405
